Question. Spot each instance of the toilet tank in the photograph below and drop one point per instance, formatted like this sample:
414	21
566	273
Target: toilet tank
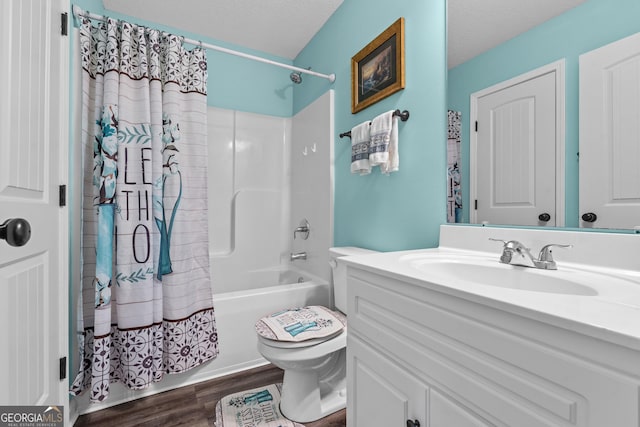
339	273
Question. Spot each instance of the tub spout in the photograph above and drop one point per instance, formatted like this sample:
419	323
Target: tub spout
298	255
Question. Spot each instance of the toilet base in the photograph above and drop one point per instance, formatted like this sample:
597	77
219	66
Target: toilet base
310	395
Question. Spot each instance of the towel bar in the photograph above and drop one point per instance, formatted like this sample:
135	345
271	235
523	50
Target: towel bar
404	116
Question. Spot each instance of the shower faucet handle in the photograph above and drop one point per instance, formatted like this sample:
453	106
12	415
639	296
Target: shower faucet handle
302	228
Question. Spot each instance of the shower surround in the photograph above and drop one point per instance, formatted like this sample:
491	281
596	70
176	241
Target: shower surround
265	174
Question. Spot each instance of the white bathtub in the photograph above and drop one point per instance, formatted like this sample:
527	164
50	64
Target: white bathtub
236	313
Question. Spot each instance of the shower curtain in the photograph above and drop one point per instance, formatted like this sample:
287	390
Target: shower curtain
146	295
454	187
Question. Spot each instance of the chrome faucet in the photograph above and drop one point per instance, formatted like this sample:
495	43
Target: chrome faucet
298	255
524	257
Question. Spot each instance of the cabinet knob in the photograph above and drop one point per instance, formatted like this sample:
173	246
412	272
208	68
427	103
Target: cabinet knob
589	217
544	217
414	423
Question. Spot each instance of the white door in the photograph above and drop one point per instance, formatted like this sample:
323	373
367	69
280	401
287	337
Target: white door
33	141
610	135
515	152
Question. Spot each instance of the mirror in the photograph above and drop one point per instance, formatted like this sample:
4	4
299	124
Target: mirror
575	28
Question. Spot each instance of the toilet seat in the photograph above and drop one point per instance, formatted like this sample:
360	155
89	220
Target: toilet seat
300	344
273	329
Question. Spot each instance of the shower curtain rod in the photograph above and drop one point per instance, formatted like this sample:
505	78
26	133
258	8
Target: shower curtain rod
77	11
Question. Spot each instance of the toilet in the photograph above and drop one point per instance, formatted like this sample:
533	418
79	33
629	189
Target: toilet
314	383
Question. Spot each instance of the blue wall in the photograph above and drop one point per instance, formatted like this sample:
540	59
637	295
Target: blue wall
403	210
579	30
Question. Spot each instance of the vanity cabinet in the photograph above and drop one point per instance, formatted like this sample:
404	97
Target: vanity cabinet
423	352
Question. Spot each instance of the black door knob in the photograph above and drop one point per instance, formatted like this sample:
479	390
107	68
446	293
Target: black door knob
414	423
16	231
589	217
544	217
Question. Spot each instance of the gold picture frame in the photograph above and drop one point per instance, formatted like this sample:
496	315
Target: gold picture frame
377	70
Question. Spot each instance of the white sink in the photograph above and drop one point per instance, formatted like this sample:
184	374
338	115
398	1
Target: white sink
493	273
595	290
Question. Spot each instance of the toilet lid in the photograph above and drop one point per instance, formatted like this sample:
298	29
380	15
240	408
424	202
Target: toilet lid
301	324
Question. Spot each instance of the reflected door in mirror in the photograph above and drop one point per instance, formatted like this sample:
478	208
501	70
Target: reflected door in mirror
610	135
515	154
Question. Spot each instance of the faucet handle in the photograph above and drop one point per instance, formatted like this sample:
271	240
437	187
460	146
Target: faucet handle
302	228
504	242
507	254
545	252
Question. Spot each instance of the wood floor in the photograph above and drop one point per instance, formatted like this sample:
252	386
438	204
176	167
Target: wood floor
192	406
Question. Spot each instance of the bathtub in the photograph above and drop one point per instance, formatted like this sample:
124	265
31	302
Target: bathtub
236	313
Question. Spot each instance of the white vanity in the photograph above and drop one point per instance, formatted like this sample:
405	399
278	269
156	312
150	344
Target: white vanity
452	337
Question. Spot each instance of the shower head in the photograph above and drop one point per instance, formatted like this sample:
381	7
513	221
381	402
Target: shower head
296	77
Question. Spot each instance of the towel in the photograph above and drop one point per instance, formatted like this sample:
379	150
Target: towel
360	139
383	150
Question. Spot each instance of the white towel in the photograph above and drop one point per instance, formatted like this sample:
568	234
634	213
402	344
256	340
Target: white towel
360	139
383	150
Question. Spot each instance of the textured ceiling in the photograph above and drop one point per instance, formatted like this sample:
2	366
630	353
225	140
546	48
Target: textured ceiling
284	27
476	26
279	27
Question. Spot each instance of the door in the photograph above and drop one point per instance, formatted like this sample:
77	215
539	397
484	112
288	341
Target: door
515	152
610	135
33	127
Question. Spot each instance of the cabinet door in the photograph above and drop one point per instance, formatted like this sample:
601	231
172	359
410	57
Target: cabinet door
381	393
446	412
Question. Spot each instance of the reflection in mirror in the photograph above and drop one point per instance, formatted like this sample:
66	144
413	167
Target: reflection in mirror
516	148
580	27
609	149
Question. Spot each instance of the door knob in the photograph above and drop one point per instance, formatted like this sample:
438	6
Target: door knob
414	423
589	217
16	231
544	217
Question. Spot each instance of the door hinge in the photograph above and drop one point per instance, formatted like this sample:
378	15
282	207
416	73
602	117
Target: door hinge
62	195
476	126
64	24
475	205
63	368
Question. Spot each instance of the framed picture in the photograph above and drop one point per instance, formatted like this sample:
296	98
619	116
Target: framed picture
377	71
